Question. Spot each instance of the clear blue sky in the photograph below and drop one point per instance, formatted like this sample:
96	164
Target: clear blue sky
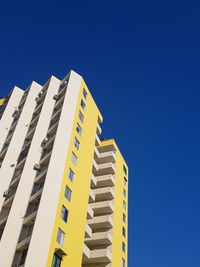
141	61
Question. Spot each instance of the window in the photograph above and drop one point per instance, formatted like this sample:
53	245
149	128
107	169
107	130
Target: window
68	193
64	214
124	204
123	262
76	143
74	159
56	261
84	93
78	129
81	117
124	192
124	169
83	104
60	237
125	181
124	217
124	232
71	175
123	247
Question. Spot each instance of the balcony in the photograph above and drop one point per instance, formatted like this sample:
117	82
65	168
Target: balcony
105	180
91	196
105	157
52	129
90	213
86	253
40	175
45	157
93	181
88	231
99	131
105	193
102	208
101	222
100	256
23	244
36	196
99	239
9	200
96	153
29	220
59	102
3	151
20	164
30	132
97	141
106	168
94	168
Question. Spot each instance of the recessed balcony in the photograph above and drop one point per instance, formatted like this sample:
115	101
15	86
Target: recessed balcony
24	243
106	168
96	153
101	222
86	253
91	196
105	157
35	197
90	213
93	181
94	168
105	180
99	131
97	141
29	220
102	208
8	201
99	239
88	231
99	256
105	193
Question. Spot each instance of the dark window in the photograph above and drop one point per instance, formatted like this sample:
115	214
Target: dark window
64	214
56	261
124	169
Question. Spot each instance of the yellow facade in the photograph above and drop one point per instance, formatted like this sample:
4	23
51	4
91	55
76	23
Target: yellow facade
118	238
75	227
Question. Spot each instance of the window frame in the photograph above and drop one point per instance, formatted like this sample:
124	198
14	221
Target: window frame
69	172
83	105
74	158
67	189
85	94
60	238
76	141
81	117
64	214
80	129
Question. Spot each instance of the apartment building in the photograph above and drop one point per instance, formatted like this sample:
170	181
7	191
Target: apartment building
63	189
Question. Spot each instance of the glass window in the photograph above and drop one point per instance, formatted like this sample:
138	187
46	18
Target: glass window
64	214
124	169
56	261
68	193
124	232
81	117
78	129
125	181
71	175
124	192
84	93
124	217
123	247
124	204
74	158
83	104
123	262
60	237
76	143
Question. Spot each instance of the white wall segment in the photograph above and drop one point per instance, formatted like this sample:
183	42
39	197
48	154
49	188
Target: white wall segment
15	146
43	228
6	119
16	216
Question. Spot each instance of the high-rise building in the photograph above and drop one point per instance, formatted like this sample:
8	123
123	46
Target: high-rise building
63	190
